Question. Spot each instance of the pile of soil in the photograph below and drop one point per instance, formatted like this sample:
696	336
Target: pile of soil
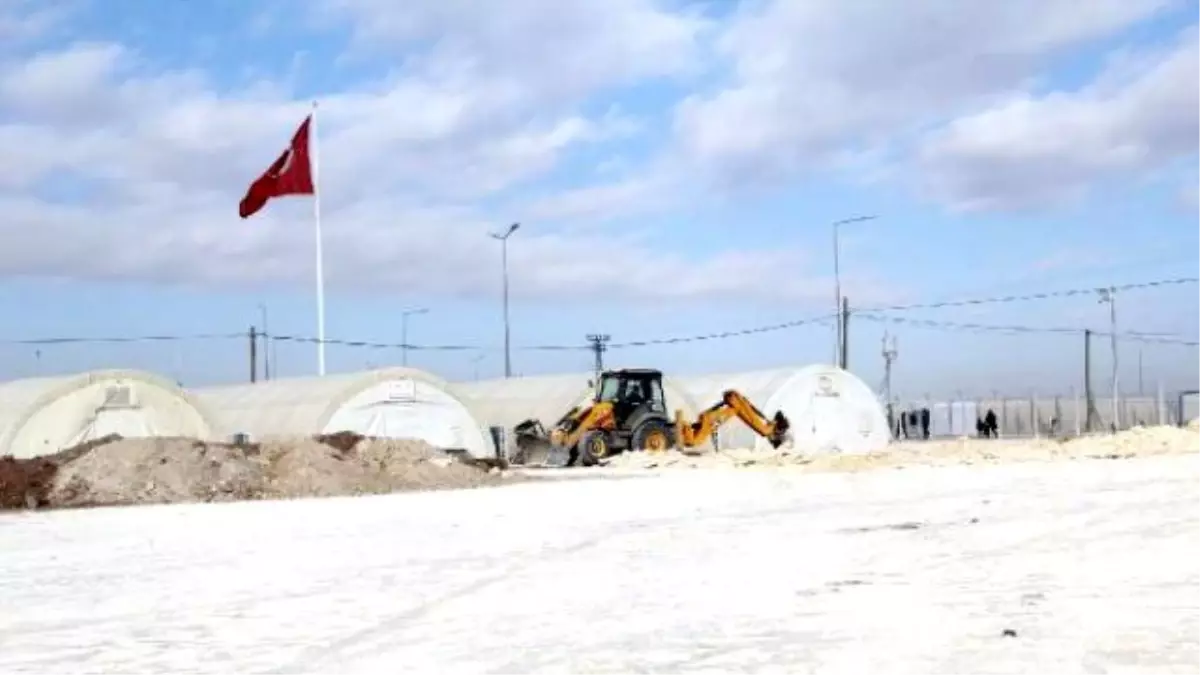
1137	442
26	483
112	470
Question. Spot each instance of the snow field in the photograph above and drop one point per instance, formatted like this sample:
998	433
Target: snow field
1090	563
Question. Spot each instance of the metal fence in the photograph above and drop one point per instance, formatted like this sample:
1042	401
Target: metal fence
1050	415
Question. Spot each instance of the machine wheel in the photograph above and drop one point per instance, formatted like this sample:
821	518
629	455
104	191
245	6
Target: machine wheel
593	447
651	436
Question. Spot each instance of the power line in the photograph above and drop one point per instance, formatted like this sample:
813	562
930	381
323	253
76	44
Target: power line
121	339
950	325
1045	295
721	335
366	344
371	345
1132	336
896	308
725	334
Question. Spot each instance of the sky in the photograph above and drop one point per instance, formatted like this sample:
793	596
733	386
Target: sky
675	166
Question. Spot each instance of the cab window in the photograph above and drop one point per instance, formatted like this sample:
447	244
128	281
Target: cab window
608	389
656	392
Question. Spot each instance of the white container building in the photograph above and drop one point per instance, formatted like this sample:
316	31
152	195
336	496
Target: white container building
40	416
830	410
386	403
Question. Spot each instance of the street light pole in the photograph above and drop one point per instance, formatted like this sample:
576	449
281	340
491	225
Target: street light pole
502	237
839	358
1109	295
404	331
266	335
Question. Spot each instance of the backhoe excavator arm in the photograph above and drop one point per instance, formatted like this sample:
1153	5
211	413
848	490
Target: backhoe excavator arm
732	404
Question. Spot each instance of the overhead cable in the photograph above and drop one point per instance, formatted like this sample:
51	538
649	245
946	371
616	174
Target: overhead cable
994	328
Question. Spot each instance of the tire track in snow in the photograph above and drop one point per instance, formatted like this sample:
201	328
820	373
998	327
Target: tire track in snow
324	658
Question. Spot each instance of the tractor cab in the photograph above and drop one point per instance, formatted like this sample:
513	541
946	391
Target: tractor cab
633	392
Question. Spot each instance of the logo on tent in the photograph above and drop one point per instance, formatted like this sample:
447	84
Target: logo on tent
825	386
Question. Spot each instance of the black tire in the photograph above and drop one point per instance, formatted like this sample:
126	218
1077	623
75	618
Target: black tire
593	447
654	435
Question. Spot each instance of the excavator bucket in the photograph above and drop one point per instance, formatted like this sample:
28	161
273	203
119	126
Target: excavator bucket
781	432
534	447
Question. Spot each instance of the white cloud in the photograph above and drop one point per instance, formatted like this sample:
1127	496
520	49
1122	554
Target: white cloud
22	21
1038	150
814	79
554	50
112	169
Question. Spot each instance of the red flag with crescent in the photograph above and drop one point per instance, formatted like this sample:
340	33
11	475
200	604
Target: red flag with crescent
291	174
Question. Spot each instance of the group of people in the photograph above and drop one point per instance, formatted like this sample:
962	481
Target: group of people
986	426
915	424
911	424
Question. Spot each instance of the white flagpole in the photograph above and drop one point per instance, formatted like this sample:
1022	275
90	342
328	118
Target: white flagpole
312	151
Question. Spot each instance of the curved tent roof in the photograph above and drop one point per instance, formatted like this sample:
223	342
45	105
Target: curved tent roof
42	415
830	409
389	402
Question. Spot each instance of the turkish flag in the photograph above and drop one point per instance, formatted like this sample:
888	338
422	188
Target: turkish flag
291	174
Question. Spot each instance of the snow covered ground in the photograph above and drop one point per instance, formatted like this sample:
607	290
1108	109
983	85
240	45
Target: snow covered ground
1090	565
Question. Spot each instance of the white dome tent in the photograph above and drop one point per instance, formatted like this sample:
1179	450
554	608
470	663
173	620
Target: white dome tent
830	410
508	402
386	403
40	416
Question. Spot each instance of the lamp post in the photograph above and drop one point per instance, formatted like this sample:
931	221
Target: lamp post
404	331
502	237
839	358
1109	295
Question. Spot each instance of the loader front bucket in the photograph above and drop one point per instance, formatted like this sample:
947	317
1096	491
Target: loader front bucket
534	447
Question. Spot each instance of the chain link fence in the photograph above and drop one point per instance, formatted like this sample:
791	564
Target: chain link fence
1049	416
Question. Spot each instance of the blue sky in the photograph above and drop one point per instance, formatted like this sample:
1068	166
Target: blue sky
675	167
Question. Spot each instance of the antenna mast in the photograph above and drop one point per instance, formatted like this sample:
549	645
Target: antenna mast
890	353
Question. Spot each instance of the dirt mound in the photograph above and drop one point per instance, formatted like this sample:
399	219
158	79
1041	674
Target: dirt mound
169	470
312	468
26	483
1137	442
156	471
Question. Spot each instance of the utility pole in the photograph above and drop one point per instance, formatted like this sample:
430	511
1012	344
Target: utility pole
599	346
253	355
1089	400
502	237
837	278
844	332
404	331
1141	381
889	356
262	310
475	364
1109	295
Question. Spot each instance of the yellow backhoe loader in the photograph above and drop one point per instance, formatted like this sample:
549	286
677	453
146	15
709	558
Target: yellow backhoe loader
628	411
